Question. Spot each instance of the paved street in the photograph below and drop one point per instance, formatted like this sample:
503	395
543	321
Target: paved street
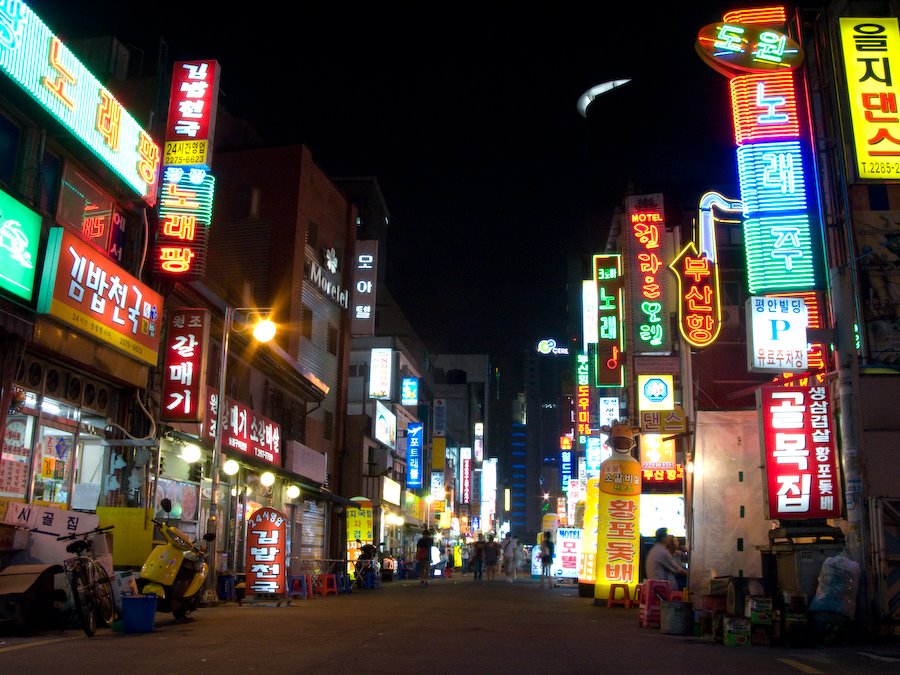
450	626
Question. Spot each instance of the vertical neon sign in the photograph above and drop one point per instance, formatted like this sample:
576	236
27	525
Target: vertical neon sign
609	368
644	243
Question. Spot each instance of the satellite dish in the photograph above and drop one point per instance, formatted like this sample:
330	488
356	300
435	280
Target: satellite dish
587	97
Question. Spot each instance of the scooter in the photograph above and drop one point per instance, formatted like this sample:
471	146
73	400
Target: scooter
175	572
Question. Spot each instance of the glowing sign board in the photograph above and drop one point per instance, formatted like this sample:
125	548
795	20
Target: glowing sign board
589	319
87	291
36	60
193	102
362	319
267	546
245	430
414	436
465	475
777	334
731	47
644	243
582	398
618	524
409	391
20	236
184	373
381	372
478	449
871	48
385	423
185	214
609	368
655	392
802	476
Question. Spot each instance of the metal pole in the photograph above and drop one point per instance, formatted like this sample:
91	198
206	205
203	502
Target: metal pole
212	522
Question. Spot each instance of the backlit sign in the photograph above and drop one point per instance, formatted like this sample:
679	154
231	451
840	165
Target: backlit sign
645	239
549	346
566	468
731	47
440	417
871	48
609	367
244	429
589	321
185	214
414	436
777	340
582	399
799	452
365	270
478	447
385	425
655	392
381	373
87	291
184	372
193	102
47	70
409	391
465	474
20	235
267	546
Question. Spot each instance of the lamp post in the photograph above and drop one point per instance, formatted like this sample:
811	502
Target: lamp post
428	500
263	331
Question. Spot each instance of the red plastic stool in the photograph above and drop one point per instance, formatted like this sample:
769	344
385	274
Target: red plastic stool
329	585
613	600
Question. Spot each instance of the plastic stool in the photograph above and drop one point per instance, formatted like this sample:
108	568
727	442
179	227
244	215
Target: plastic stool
345	584
637	594
298	587
614	601
676	596
329	585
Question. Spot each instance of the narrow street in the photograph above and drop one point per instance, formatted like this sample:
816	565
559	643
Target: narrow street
450	626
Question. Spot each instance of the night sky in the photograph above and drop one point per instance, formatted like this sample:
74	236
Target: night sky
466	114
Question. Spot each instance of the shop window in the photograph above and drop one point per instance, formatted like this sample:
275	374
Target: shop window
14	461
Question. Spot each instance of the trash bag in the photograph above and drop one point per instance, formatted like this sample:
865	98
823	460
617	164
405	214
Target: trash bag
838	586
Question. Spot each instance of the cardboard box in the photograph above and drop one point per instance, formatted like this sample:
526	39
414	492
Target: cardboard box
758	610
736	632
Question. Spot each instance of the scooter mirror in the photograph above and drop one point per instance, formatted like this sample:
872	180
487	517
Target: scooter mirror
166	504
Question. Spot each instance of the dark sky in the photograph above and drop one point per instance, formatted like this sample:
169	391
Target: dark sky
466	114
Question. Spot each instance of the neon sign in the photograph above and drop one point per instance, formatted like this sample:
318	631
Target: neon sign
193	101
729	46
644	243
185	213
582	399
609	367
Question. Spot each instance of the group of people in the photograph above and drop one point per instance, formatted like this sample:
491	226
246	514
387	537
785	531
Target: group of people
487	556
662	561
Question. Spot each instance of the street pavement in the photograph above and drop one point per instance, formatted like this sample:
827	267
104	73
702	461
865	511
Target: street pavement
452	625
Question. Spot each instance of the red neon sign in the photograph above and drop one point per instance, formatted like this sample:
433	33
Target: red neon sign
266	547
184	375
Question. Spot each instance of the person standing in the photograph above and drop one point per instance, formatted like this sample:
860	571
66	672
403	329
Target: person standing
465	554
548	551
477	559
511	557
660	563
423	555
492	553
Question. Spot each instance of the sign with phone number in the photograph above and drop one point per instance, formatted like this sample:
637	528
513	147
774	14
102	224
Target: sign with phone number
186	153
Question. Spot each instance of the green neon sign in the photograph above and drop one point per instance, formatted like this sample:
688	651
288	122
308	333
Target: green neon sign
20	235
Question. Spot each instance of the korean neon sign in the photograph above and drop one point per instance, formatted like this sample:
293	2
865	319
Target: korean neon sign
245	430
871	47
609	369
184	374
801	464
44	67
266	550
731	46
644	242
185	214
582	399
193	101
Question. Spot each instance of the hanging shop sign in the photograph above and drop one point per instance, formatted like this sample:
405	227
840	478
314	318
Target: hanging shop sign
193	103
478	448
566	469
365	273
385	425
776	336
644	244
465	475
266	552
38	61
92	211
582	399
589	318
409	391
87	291
184	373
440	418
731	47
656	392
245	430
801	465
185	215
20	236
414	435
381	373
871	50
609	362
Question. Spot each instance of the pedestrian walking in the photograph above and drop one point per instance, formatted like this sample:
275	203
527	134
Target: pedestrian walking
465	554
548	551
492	552
423	555
478	557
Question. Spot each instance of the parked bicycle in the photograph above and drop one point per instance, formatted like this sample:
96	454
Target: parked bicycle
91	584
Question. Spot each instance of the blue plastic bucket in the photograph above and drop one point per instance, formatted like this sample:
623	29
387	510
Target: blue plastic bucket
138	613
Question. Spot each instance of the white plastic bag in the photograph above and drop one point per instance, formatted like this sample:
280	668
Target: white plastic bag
838	586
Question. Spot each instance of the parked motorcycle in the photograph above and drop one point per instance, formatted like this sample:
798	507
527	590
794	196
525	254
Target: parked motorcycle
176	571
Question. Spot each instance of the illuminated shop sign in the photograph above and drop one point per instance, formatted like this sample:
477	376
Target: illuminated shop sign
549	346
193	102
656	453
87	291
244	430
568	551
267	545
589	319
801	466
588	559
185	214
644	242
440	418
86	208
20	236
478	450
184	372
362	319
618	524
414	436
777	334
44	67
409	391
465	474
582	399
566	468
385	425
656	392
381	373
871	49
327	279
731	46
609	367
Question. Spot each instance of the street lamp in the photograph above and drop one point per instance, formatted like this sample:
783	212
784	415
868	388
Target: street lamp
263	331
428	500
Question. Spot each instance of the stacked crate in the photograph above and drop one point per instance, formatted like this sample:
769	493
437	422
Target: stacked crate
653	592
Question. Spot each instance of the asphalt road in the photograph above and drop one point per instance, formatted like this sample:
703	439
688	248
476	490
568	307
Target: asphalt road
450	626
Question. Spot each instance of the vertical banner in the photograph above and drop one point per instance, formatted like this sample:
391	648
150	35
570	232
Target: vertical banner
801	466
609	364
381	372
359	526
365	271
184	373
414	435
465	475
618	530
266	548
440	417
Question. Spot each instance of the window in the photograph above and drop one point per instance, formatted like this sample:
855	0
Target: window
312	234
328	431
332	340
306	321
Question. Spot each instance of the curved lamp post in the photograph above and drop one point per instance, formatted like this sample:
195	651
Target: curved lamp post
263	330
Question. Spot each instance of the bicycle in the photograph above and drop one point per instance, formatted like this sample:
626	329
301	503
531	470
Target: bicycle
91	585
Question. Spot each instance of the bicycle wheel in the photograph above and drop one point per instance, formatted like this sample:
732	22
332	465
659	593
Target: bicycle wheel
83	598
106	608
